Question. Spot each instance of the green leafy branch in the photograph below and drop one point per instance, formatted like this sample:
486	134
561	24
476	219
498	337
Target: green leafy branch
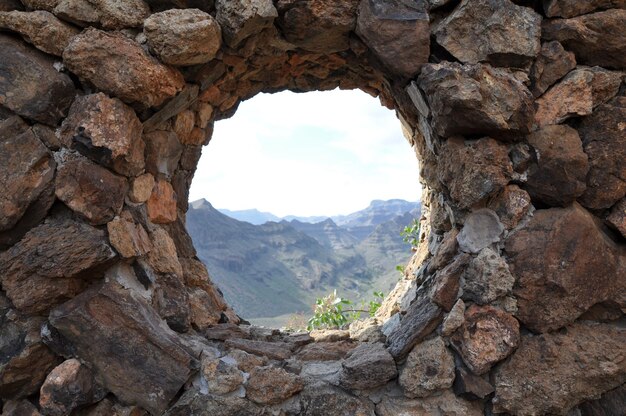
333	311
411	233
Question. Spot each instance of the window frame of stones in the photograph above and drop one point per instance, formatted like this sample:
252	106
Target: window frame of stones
521	269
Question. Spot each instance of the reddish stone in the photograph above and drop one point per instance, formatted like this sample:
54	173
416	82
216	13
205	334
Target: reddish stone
552	64
617	218
163	151
271	385
573	8
162	203
511	205
127	237
445	290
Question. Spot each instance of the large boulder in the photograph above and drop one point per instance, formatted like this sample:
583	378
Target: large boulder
429	368
573	8
108	14
30	85
241	19
512	37
369	365
119	66
563	264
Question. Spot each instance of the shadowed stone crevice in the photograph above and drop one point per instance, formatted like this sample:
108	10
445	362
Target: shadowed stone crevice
514	109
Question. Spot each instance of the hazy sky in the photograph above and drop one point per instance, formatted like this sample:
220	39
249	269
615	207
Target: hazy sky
319	153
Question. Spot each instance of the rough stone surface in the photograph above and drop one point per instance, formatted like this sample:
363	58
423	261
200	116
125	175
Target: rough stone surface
552	64
487	336
193	402
79	184
241	19
611	402
454	319
397	32
183	36
41	271
494	31
162	203
487	278
270	385
471	386
429	368
482	228
461	106
604	141
319	400
447	282
445	404
222	377
113	346
369	365
30	85
163	151
577	95
275	351
617	218
19	408
141	188
511	204
573	8
596	39
540	377
563	264
128	238
109	14
129	74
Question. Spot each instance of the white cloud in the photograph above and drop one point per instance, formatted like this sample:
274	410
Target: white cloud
319	153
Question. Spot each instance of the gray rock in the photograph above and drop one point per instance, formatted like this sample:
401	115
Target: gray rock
368	365
454	319
163	151
324	400
445	404
487	278
241	19
429	368
482	228
193	402
272	385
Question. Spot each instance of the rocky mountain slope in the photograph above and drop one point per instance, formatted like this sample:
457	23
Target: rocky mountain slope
279	268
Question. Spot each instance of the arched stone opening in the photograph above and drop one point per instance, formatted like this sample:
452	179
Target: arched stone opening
522	270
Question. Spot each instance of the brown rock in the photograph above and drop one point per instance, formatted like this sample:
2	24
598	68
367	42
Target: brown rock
162	203
445	251
454	319
183	126
446	283
40	271
19	408
540	378
487	336
122	327
241	19
322	399
80	12
445	404
477	100
271	385
141	188
512	39
47	5
429	367
193	402
559	176
552	64
30	85
487	278
68	386
27	169
481	229
11	125
107	131
610	403
330	335
573	8
577	95
321	26
109	14
325	351
617	218
369	365
128	238
604	140
129	74
163	257
596	39
203	310
474	170
163	151
272	350
471	386
511	204
89	189
222	376
183	36
397	32
563	265
172	301
40	28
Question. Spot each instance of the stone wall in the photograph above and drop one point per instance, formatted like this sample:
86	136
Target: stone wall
513	304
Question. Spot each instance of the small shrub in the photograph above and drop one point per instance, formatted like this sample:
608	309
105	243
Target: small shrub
411	233
333	311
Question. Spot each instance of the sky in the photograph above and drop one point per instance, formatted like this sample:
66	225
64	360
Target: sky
315	153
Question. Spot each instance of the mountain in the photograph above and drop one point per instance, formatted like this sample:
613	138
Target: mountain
326	233
253	216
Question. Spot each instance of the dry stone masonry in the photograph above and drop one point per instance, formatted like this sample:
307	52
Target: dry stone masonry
513	303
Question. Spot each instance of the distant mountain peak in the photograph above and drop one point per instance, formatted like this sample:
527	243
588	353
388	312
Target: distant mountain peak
201	203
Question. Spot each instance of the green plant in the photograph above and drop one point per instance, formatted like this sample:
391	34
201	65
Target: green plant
411	233
400	269
331	312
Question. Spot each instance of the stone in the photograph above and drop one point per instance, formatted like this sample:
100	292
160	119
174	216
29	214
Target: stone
143	80
577	94
30	85
610	403
183	36
67	387
429	368
128	238
176	105
19	408
113	345
369	365
559	175
108	13
482	228
41	28
445	404
326	351
420	320
552	64
476	100
563	265
447	282
513	38
141	188
454	319
544	363
28	168
162	203
397	33
595	39
487	278
204	311
172	301
246	362
221	375
272	385
471	386
183	126
40	272
204	114
474	170
163	151
80	184
193	402
487	336
321	26
241	19
107	131
78	12
366	330
272	350
511	204
24	359
330	335
11	126
604	143
321	399
573	8
445	252
617	217
163	257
